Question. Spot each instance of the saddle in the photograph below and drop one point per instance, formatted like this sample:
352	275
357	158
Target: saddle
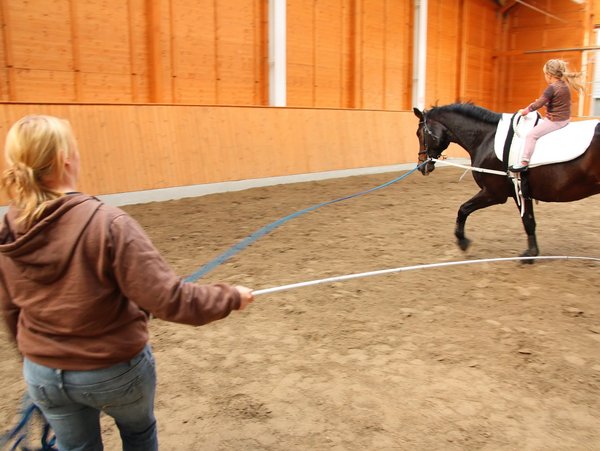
558	146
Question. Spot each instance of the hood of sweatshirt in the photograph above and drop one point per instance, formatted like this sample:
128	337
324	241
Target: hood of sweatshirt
43	252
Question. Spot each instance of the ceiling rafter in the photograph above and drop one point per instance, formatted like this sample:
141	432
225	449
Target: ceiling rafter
511	3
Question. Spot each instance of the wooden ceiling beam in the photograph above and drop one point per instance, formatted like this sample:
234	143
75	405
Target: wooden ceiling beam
508	6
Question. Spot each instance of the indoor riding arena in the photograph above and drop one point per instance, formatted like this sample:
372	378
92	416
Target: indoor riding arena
273	145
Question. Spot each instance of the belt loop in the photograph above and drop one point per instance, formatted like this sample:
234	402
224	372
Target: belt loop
61	381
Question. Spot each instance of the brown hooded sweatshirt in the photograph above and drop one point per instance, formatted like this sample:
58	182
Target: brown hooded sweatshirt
73	286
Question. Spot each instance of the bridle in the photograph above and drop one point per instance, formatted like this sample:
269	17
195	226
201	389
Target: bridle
423	155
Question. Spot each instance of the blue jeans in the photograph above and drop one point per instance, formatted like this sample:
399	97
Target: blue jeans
72	401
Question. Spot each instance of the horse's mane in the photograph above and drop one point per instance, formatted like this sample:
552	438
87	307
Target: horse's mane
467	109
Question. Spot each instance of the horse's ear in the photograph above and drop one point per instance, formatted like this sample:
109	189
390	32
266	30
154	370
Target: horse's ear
418	113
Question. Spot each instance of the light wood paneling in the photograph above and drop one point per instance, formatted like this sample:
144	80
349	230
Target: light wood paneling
349	53
443	52
236	39
478	70
163	51
132	147
40	34
194	53
58	86
5	59
340	53
461	43
528	30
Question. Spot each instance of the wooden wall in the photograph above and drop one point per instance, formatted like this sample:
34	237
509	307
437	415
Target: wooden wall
350	53
148	72
526	37
340	53
134	51
461	44
134	147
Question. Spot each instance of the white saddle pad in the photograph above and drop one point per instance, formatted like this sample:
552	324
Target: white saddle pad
561	145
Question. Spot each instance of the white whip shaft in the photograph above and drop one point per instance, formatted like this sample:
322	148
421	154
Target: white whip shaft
410	268
471	168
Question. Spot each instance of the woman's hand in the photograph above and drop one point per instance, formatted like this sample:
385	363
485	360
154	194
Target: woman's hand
246	296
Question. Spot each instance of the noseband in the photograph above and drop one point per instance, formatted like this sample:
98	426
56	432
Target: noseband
425	151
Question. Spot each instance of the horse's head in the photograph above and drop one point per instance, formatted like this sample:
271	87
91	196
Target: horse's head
433	140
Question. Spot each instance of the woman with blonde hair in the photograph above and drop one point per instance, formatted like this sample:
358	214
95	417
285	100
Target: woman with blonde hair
76	280
557	99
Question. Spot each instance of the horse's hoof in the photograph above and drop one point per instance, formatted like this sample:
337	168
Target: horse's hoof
464	243
528	261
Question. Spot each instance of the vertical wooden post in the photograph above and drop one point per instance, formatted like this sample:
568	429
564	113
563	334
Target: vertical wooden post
153	36
587	67
462	53
341	49
132	64
216	50
261	52
499	95
356	98
75	52
8	55
385	56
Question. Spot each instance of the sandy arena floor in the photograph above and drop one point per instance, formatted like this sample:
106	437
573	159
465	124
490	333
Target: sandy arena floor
494	356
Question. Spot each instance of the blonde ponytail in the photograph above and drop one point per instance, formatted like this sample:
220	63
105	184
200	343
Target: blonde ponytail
559	68
575	81
36	148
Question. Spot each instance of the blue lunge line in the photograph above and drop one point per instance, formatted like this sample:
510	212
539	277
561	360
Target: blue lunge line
49	445
268	228
20	432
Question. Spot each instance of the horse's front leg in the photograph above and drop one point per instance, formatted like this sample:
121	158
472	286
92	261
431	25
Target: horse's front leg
529	225
480	200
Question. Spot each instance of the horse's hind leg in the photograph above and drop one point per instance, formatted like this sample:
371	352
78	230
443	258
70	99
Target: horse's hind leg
480	200
529	225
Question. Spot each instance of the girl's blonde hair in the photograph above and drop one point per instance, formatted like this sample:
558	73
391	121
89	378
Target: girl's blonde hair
559	69
36	148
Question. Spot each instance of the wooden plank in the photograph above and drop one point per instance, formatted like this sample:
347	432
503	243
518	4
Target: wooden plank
300	48
139	51
51	86
261	53
7	86
135	97
537	38
327	58
443	52
398	55
133	147
75	49
104	87
155	63
235	42
373	55
40	37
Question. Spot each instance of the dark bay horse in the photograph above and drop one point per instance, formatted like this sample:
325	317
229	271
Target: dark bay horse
474	129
